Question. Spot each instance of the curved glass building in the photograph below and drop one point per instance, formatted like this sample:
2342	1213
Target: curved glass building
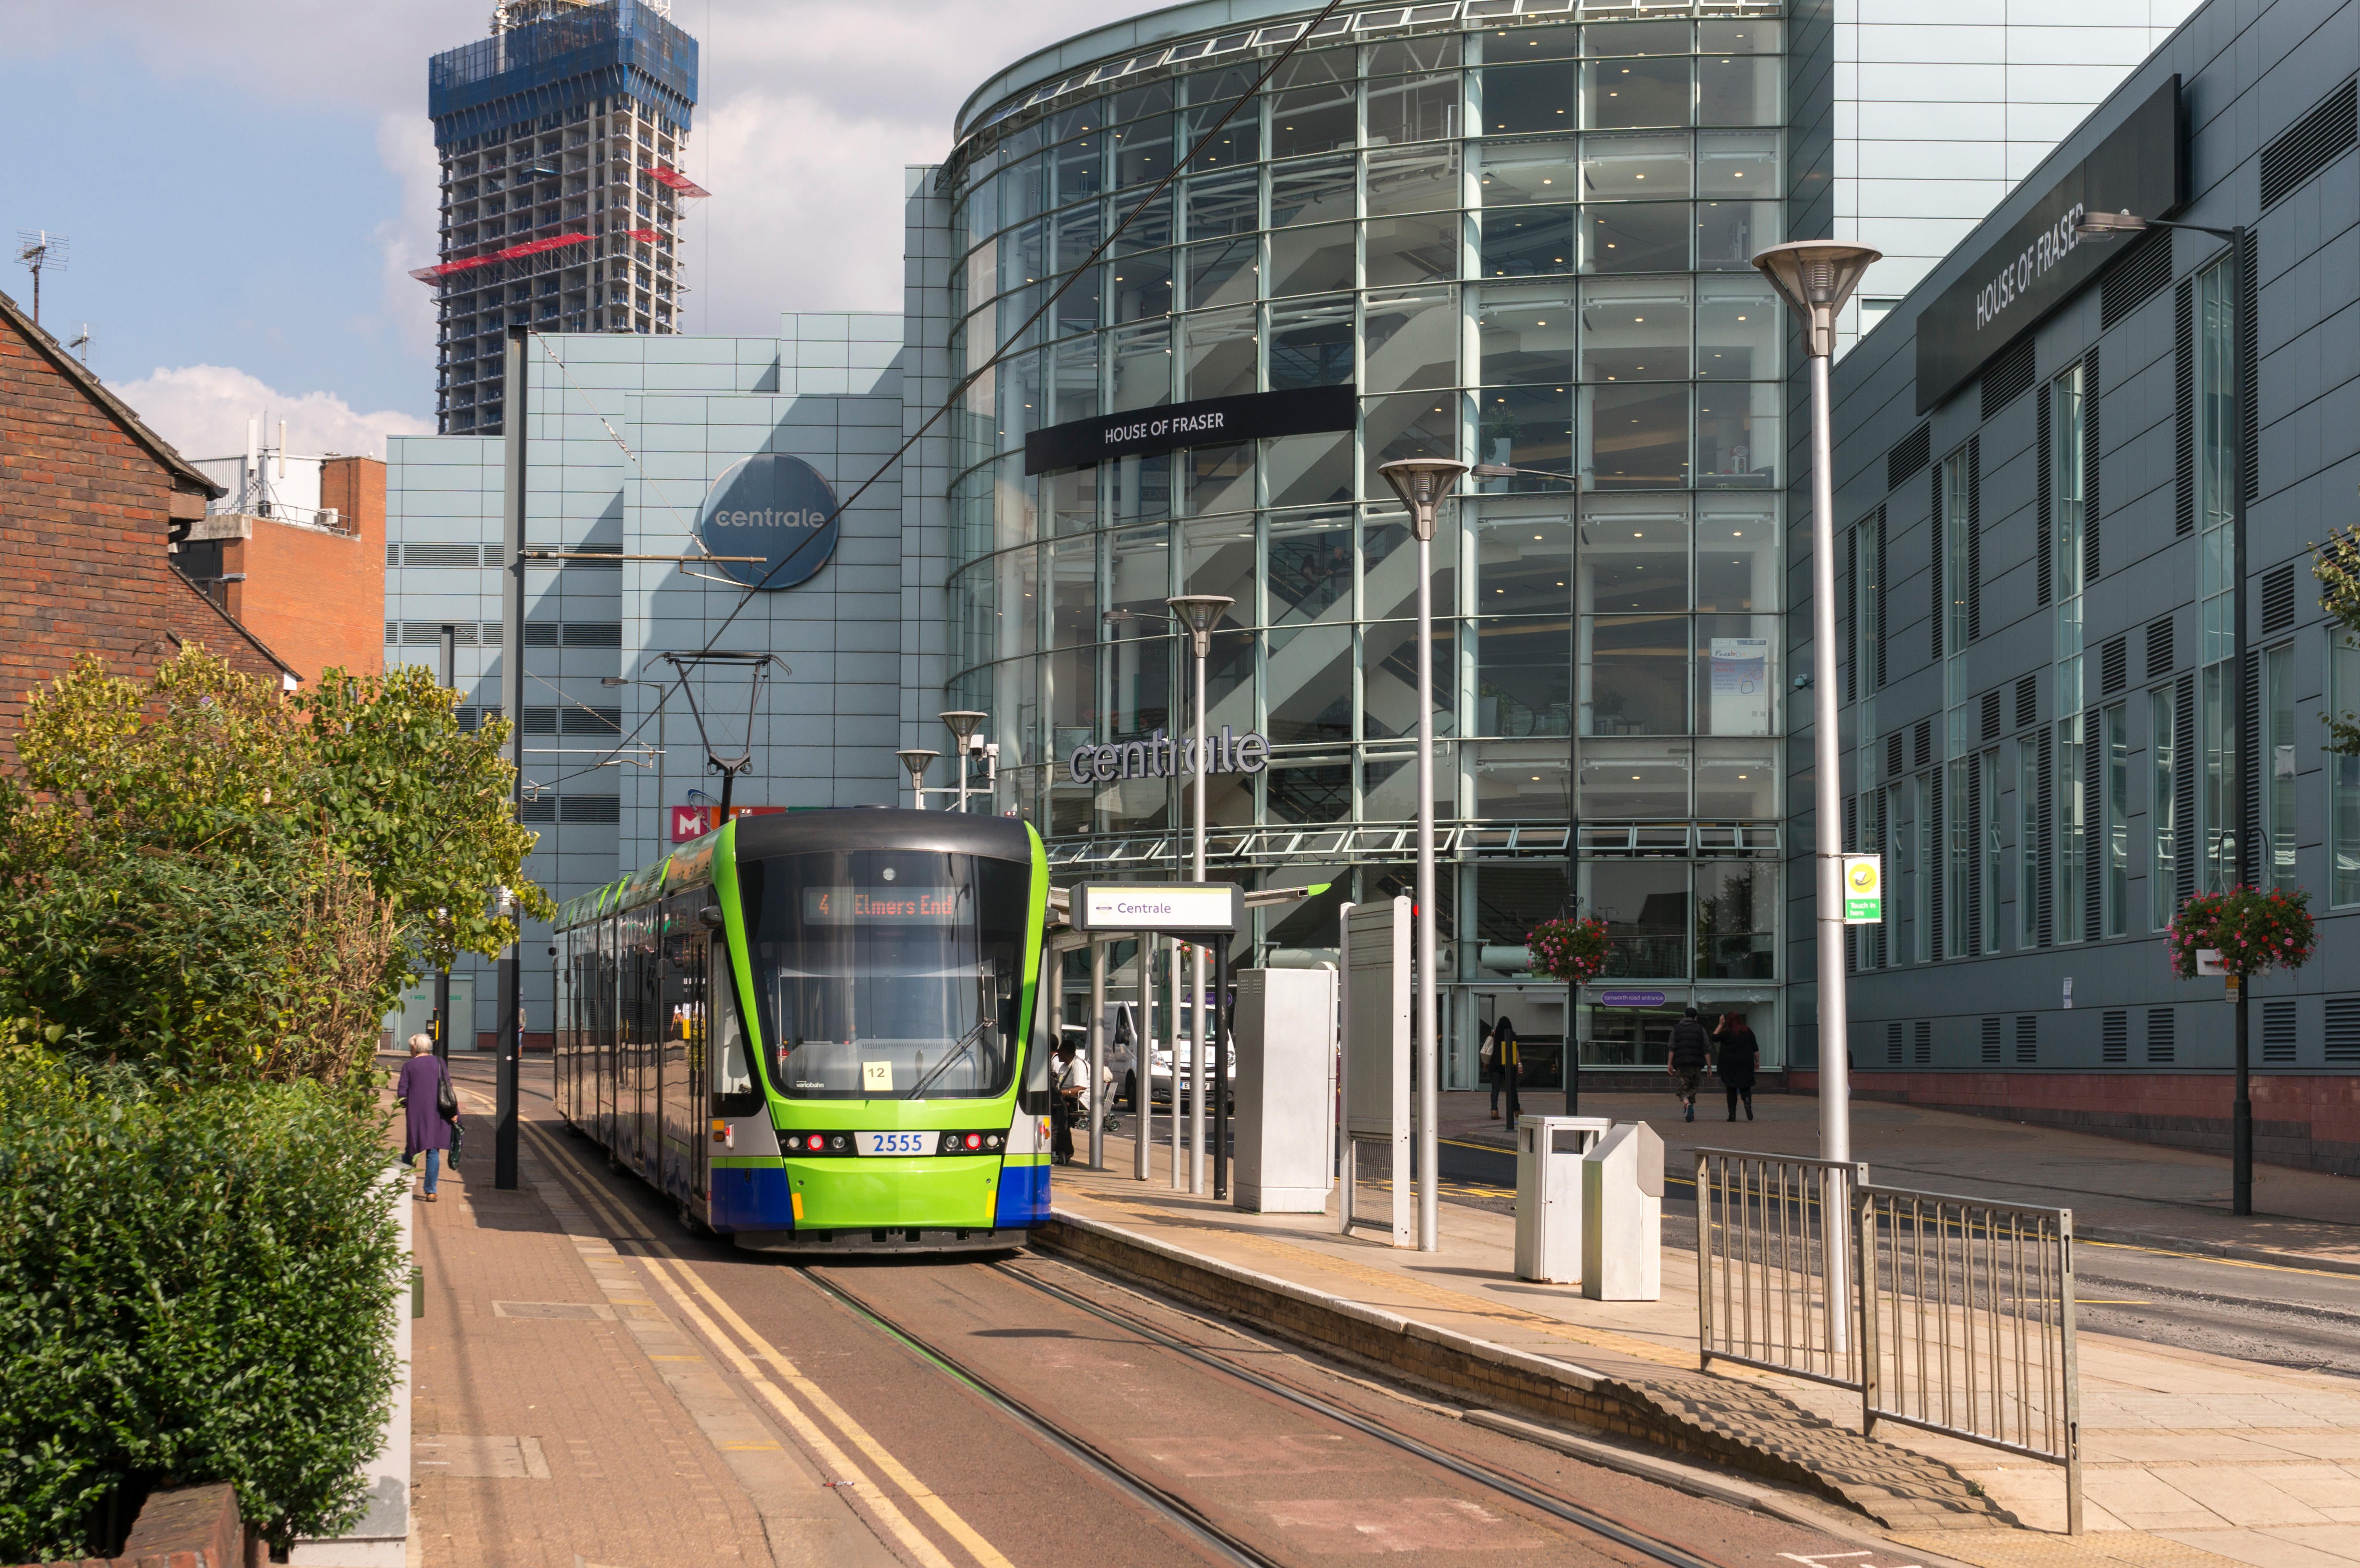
1520	235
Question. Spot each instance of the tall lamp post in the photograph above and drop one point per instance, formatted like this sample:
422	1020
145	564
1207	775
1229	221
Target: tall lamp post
916	761
961	723
1198	613
2103	226
1814	278
1422	483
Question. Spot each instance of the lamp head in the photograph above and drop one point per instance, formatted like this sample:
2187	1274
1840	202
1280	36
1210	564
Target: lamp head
916	761
1422	483
2102	227
962	722
1814	278
1199	612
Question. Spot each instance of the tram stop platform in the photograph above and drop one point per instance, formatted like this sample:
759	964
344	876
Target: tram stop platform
2190	1459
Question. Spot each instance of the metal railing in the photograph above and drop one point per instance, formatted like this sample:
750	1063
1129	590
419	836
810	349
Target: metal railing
1949	1314
1765	1297
1967	1324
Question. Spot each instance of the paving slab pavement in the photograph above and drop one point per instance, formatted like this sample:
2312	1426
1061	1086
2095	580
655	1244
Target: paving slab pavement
2117	1187
2189	1457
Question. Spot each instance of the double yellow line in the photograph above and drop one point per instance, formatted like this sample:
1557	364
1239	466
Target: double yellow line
749	1353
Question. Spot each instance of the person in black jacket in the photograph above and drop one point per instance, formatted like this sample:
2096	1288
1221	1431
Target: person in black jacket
1508	1066
1691	1052
1740	1055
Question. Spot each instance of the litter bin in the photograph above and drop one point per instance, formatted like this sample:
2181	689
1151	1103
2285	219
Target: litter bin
1548	1194
1622	1215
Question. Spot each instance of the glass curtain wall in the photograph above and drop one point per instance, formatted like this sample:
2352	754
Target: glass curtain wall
1525	246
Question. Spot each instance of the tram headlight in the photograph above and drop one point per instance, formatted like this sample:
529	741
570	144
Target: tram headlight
950	1143
992	1141
839	1143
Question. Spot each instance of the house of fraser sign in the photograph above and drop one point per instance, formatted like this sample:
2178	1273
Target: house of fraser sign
2139	168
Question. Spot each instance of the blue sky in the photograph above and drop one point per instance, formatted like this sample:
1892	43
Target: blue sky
245	186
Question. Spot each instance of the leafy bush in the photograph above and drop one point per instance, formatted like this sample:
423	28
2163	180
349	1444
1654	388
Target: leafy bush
195	1286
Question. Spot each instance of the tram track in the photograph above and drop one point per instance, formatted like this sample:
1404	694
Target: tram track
1226	1543
1141	1489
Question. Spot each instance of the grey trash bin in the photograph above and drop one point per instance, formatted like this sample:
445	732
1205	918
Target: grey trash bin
1548	1194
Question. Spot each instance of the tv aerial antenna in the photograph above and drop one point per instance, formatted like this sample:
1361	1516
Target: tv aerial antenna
758	668
37	249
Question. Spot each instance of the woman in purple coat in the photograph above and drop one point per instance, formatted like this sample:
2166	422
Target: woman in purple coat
417	1090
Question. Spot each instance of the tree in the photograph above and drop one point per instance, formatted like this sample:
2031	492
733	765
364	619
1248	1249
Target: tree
200	869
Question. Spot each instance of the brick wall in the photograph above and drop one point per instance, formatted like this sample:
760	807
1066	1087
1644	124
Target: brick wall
318	598
85	508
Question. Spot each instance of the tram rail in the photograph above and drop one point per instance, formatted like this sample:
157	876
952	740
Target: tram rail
1129	1480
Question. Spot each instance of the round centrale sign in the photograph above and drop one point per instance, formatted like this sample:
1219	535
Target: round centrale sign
776	509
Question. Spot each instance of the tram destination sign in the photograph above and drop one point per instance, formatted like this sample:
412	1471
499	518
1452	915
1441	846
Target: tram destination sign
2140	168
1211	908
1209	421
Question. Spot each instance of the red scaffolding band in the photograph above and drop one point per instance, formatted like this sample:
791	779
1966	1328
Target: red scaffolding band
531	247
663	174
645	236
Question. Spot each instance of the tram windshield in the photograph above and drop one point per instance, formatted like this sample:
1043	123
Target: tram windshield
887	975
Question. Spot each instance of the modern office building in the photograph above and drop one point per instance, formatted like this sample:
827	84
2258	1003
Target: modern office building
2042	491
1516	231
559	137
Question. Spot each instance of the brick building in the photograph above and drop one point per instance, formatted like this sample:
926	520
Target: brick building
89	499
295	552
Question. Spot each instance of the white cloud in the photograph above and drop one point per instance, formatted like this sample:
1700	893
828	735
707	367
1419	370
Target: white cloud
203	410
405	145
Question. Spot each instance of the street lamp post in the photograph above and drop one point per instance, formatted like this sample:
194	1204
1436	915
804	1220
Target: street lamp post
1814	278
917	761
1198	613
961	723
2103	226
1422	483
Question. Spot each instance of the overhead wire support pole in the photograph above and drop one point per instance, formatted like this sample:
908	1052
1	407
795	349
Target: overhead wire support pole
508	1036
2245	828
450	667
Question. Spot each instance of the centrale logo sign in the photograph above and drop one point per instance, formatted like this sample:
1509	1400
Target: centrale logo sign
1163	756
771	517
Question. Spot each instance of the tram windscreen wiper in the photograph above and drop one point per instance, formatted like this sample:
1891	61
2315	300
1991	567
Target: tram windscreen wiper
965	1043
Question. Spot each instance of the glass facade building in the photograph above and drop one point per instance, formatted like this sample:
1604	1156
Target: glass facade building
1522	239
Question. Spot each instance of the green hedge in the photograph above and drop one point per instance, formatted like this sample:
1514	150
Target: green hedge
195	1286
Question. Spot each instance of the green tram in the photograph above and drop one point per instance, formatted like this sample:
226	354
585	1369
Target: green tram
818	1030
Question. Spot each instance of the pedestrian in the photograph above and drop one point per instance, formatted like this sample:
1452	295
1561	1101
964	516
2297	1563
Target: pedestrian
1067	1105
1508	1065
431	1109
1486	1058
1740	1054
1691	1052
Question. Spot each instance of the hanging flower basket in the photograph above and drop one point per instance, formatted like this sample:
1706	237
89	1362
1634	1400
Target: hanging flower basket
1572	951
2251	929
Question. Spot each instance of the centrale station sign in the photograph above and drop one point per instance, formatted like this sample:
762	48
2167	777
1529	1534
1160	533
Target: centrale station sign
1167	757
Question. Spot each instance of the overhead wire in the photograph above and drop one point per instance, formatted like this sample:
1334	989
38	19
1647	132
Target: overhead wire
951	399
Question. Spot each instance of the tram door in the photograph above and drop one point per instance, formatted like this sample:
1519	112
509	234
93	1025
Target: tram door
680	1055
